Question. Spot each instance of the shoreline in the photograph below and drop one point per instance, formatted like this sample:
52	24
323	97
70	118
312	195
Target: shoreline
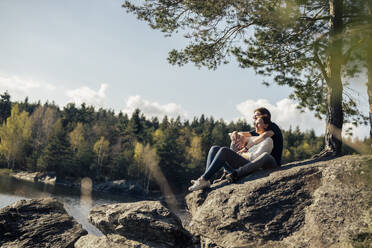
114	188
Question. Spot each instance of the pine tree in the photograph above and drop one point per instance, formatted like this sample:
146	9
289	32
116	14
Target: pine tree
57	155
5	106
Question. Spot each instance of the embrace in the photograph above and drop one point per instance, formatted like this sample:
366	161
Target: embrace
249	151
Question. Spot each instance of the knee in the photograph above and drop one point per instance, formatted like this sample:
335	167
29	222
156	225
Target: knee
214	148
265	154
224	149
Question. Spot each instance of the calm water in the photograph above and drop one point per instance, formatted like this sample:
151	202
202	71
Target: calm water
12	190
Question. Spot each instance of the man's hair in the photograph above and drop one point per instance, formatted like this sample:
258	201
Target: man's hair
263	111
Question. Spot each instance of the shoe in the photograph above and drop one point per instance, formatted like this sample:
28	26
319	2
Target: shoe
232	177
223	177
201	183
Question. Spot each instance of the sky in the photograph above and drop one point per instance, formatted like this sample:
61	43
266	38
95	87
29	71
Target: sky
92	51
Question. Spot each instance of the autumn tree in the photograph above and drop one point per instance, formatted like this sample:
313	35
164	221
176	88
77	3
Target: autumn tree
101	149
81	149
147	161
42	121
15	134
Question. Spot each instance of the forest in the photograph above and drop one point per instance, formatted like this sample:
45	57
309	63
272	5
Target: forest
79	141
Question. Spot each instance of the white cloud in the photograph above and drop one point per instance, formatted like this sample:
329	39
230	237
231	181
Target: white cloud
360	132
87	95
286	115
152	109
22	86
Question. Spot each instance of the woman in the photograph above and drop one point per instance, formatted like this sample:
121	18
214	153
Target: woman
219	157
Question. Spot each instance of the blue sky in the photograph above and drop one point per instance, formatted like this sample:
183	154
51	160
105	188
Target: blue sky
93	51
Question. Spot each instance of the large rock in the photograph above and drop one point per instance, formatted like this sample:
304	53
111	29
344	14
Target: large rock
38	223
145	222
307	204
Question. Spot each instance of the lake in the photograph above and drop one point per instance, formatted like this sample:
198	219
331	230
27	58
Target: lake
76	205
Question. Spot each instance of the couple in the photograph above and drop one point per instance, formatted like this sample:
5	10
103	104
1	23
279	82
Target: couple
258	149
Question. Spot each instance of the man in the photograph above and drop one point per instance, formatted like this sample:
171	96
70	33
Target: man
265	160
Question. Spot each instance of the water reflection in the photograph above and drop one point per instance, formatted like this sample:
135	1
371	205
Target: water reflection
86	192
77	202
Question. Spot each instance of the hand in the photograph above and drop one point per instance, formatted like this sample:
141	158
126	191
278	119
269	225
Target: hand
232	177
223	177
233	135
243	150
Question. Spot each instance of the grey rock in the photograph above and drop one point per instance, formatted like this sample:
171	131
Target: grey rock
306	204
38	223
41	177
120	186
146	222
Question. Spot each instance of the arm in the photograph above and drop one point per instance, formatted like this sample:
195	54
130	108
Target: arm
265	146
260	138
237	141
245	134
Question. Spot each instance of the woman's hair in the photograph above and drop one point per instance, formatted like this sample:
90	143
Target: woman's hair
263	111
266	120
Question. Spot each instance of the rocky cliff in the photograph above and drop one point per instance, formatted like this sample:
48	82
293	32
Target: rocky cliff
305	204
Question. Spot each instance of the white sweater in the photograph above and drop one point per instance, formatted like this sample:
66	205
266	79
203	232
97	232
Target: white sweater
266	145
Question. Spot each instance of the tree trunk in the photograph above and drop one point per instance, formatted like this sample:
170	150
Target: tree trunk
333	140
369	68
369	84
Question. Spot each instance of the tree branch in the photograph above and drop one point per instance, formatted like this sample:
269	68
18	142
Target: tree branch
319	62
230	32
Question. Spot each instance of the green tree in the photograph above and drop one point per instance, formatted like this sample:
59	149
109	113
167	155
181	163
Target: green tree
171	152
5	106
359	36
82	151
57	155
296	43
15	134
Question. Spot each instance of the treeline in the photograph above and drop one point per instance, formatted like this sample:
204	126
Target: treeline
76	142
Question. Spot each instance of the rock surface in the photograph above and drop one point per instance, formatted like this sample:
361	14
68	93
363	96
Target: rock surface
307	204
38	223
47	178
109	241
141	224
